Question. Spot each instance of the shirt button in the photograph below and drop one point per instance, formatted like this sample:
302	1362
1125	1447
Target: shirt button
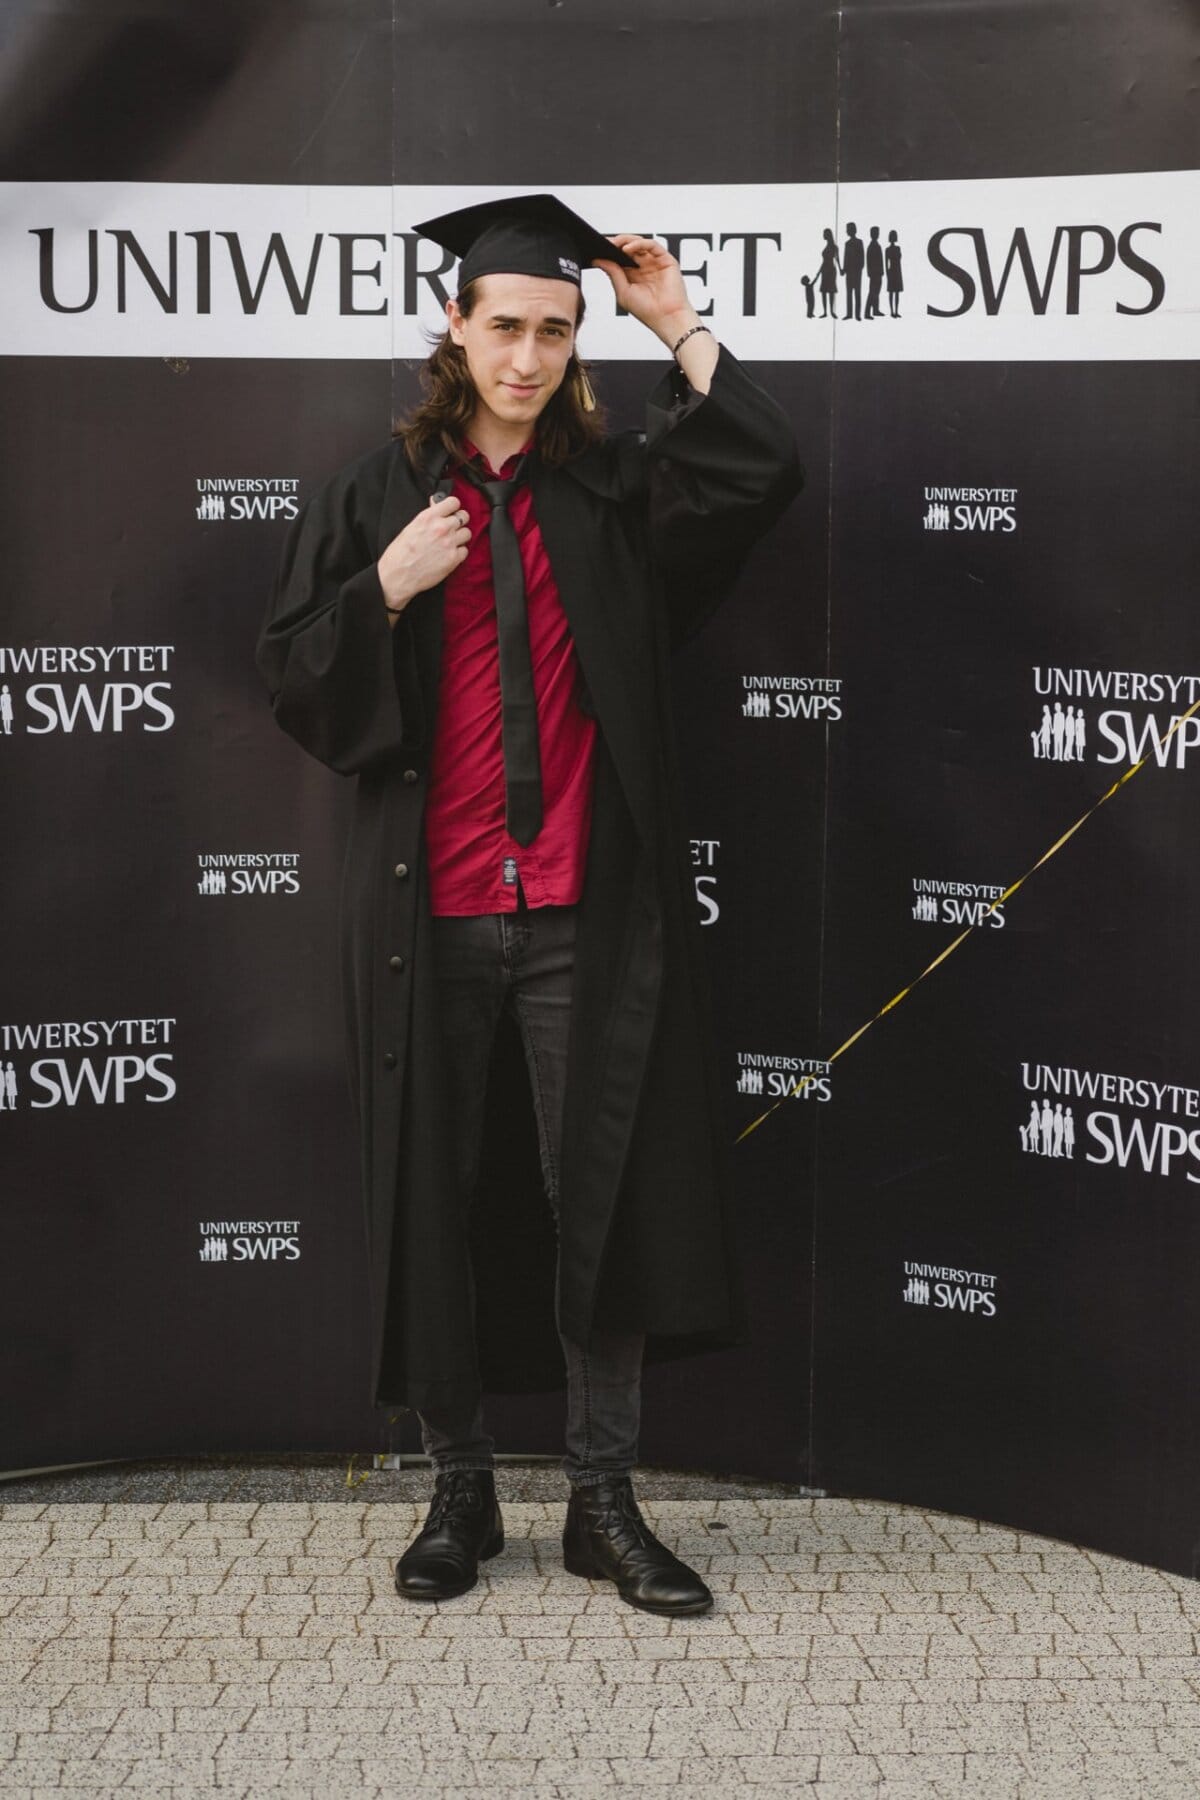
410	775
401	871
389	1061
396	962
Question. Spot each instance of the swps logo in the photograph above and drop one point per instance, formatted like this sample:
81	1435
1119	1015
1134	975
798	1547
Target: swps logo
101	1062
937	902
270	872
783	1077
1046	267
228	498
1041	276
1130	717
817	698
85	688
970	509
967	1291
249	1240
1131	1123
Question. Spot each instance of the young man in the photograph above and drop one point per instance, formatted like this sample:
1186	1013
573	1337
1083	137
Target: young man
476	621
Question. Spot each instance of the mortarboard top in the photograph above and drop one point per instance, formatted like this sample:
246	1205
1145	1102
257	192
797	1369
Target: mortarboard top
527	234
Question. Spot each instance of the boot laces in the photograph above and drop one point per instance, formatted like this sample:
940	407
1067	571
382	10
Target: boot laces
455	1497
624	1524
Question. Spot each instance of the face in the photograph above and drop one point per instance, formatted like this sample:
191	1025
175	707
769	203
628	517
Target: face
518	342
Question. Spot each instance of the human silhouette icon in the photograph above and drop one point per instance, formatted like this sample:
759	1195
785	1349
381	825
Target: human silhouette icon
853	258
874	273
1031	1133
10	1086
810	298
895	274
6	711
831	268
1058	1129
1080	733
1058	725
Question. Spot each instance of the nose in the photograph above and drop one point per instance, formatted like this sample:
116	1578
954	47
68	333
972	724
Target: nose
525	357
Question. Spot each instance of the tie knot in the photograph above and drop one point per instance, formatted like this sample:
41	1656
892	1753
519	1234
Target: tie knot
498	492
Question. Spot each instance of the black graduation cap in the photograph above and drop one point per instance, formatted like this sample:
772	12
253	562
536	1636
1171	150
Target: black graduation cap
526	234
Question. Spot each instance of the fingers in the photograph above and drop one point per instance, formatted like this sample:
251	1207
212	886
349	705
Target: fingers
637	246
450	511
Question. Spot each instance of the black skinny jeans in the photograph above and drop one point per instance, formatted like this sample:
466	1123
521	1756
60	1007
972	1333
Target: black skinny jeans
524	961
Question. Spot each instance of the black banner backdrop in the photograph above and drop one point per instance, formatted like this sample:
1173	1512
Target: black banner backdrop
975	617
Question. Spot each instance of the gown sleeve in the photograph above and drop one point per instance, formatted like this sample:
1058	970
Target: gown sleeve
331	662
721	469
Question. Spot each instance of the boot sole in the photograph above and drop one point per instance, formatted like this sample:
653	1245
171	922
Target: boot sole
452	1593
575	1565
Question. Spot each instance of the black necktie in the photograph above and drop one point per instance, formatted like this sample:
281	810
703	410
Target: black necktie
518	705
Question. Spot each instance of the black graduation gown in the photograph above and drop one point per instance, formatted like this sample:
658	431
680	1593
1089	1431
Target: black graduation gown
645	533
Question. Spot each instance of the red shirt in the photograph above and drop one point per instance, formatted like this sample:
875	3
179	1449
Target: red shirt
473	862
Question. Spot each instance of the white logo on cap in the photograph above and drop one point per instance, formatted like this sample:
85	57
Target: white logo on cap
565	263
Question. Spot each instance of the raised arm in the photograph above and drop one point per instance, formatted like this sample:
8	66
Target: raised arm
722	467
721	456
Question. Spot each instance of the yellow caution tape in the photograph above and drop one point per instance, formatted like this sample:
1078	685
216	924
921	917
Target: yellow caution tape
798	1087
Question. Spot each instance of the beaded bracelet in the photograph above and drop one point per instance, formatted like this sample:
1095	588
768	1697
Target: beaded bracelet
687	335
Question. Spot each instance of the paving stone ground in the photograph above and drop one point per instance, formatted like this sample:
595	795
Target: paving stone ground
181	1647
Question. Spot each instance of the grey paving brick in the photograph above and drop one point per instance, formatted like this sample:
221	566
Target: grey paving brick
856	1649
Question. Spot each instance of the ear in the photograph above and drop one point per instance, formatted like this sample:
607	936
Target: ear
455	320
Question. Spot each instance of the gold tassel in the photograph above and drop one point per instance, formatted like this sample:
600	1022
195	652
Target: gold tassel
587	398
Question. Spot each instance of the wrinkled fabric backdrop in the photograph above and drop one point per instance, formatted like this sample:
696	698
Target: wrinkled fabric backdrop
971	1244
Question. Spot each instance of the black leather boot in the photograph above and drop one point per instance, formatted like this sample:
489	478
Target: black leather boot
606	1537
462	1528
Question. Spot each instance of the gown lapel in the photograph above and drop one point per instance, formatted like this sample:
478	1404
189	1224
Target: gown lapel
610	648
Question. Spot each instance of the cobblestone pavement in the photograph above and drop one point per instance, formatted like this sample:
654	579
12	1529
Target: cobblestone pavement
857	1649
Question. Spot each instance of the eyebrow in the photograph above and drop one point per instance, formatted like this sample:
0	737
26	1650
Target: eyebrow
519	319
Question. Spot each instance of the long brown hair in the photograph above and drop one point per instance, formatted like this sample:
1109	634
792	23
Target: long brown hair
564	427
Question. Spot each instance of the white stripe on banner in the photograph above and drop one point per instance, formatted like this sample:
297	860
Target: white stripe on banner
1058	268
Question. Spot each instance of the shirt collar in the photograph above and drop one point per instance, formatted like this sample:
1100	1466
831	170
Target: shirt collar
474	452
